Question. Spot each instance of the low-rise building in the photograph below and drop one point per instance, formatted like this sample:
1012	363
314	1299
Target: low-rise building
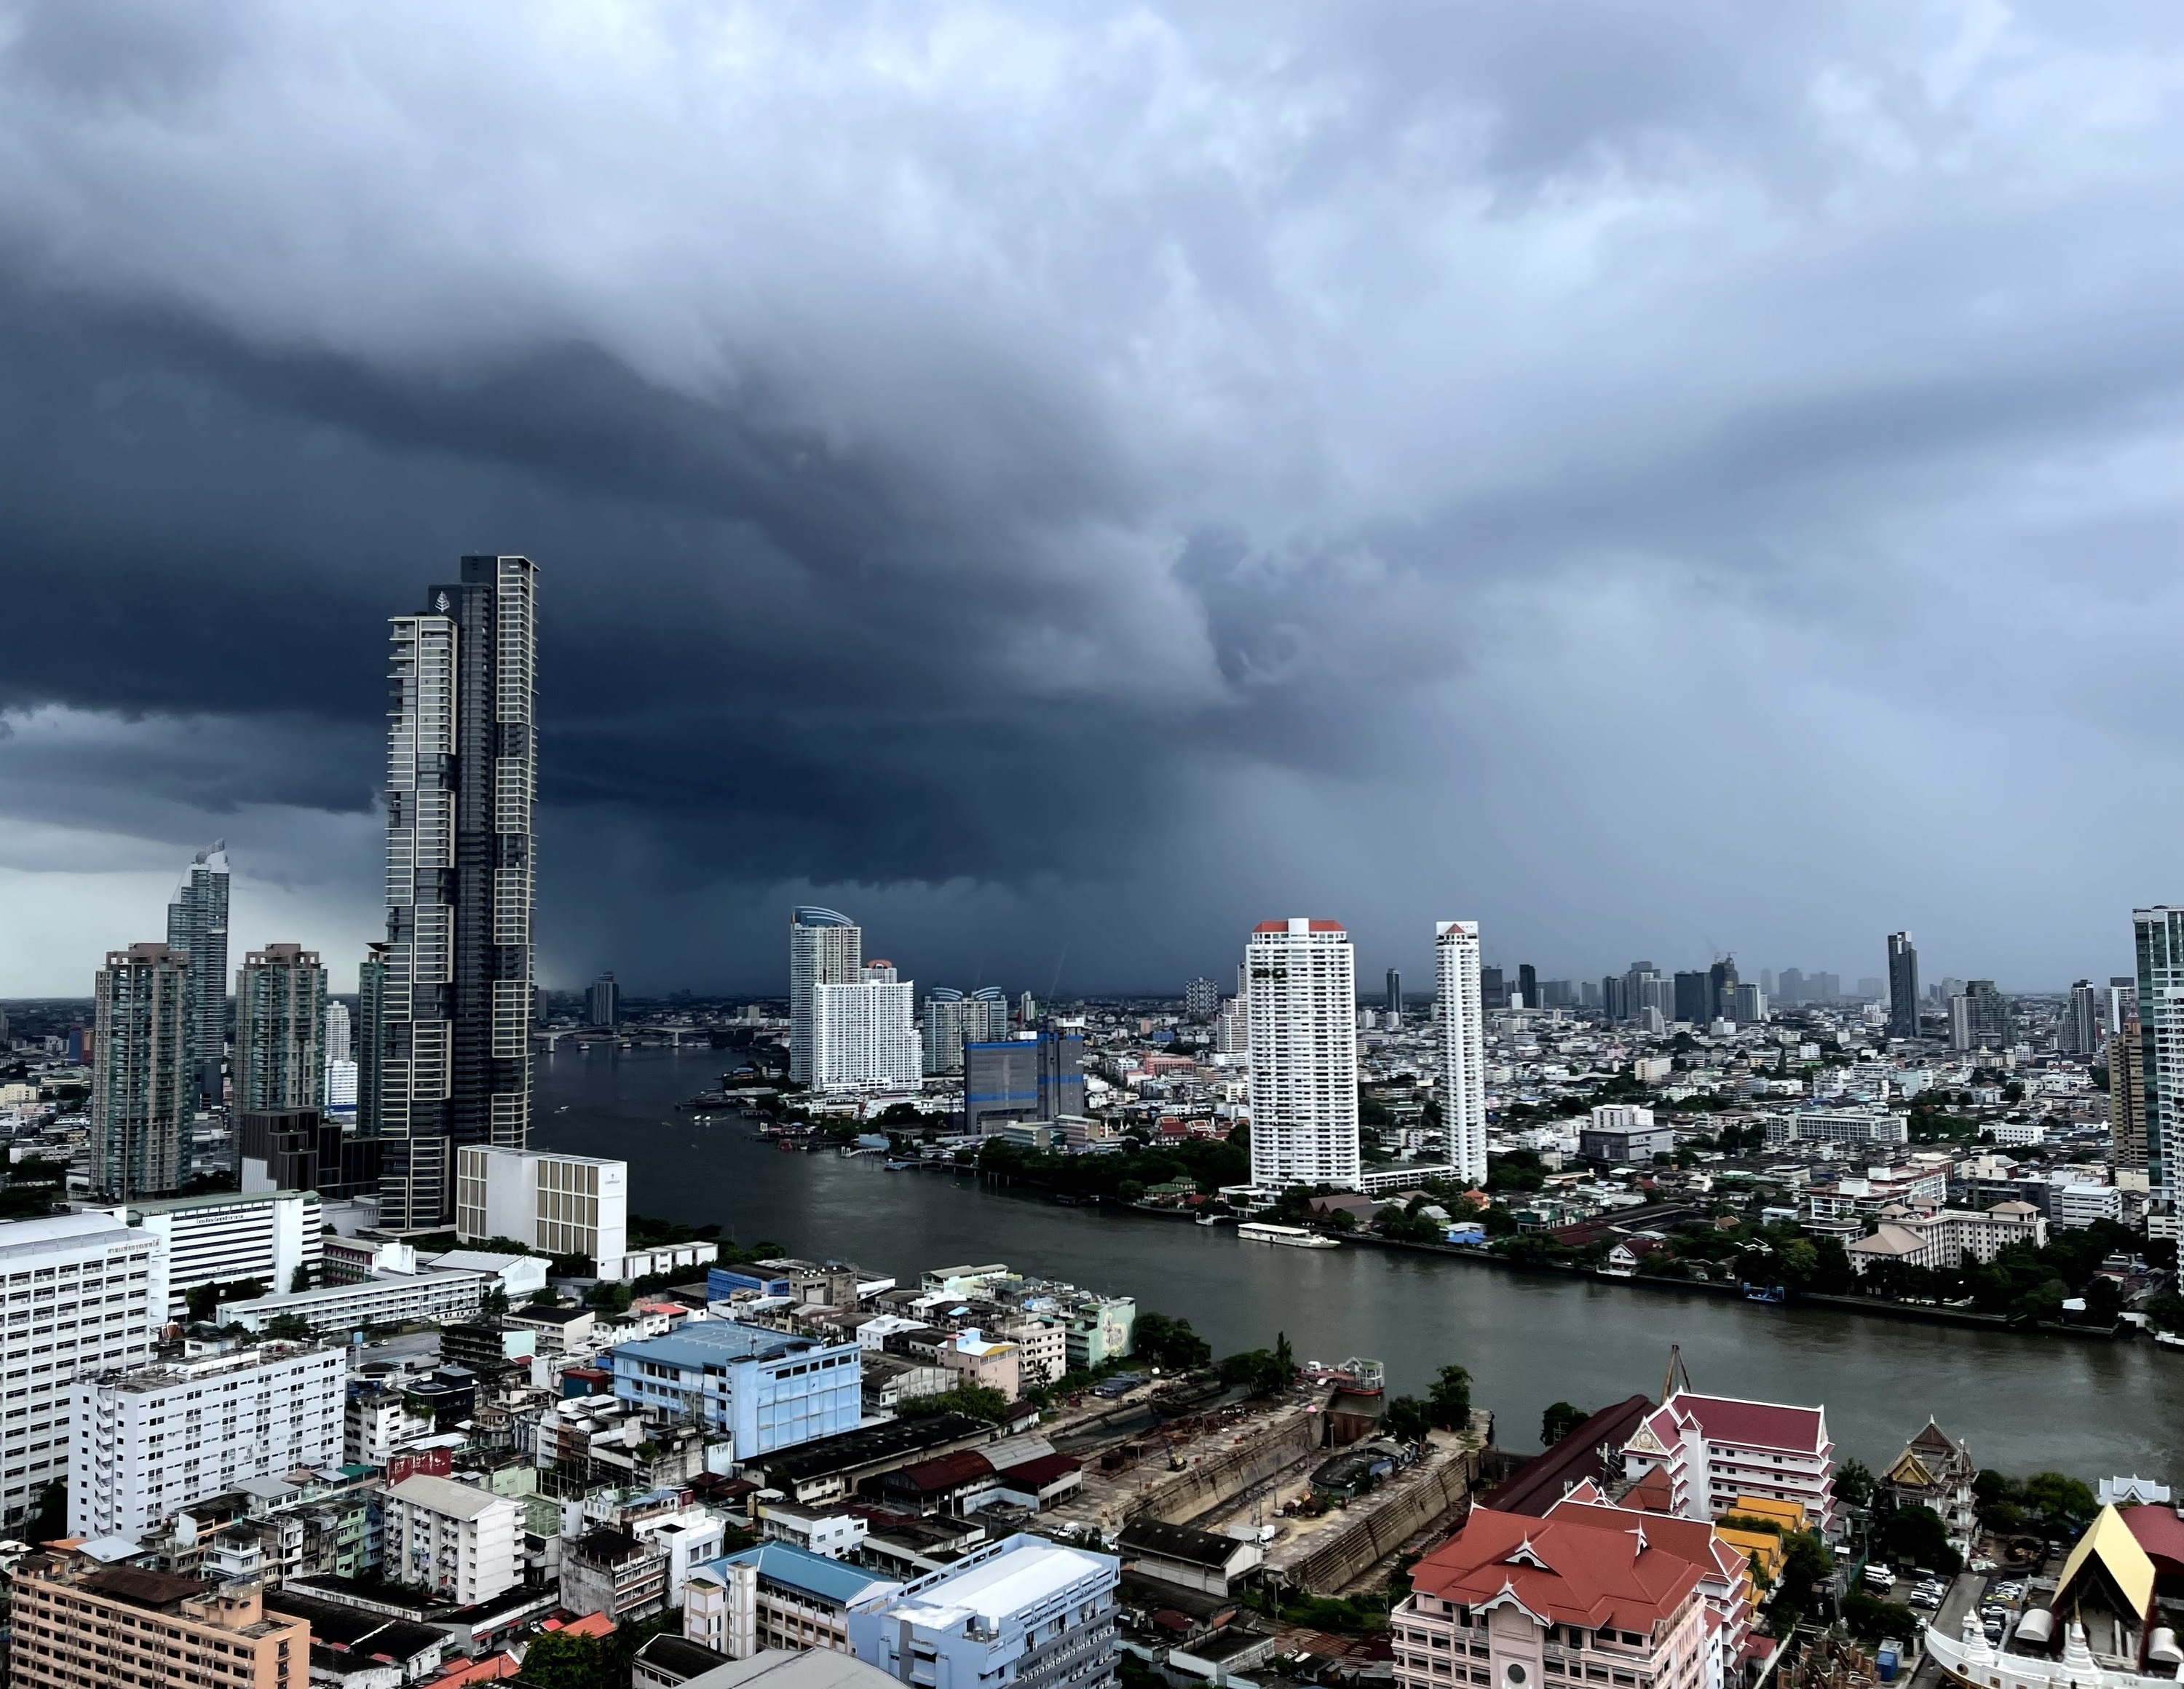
1024	1611
270	1236
454	1540
777	1596
77	1622
768	1391
984	1362
145	1441
1947	1238
431	1298
1711	1449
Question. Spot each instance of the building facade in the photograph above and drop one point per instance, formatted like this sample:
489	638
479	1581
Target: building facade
1024	1611
196	933
1303	999
826	947
1980	1018
280	1029
863	1036
77	1260
1462	1047
1903	986
77	1622
147	1441
953	1020
461	777
602	1001
778	1596
2127	1092
461	1543
563	1204
145	1069
767	1390
2158	937
337	1310
1713	1449
226	1237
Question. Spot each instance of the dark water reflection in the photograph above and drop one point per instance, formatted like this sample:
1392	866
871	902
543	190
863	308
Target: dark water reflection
2090	1409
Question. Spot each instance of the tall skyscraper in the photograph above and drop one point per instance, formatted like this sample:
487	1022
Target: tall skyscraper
602	1001
144	1074
863	1035
280	1029
2127	1092
1721	989
1462	1047
1792	991
2158	940
341	1045
1691	988
1304	1054
1493	990
371	1039
1903	986
952	1022
461	777
1527	984
1395	996
196	930
1980	1018
825	948
2081	1030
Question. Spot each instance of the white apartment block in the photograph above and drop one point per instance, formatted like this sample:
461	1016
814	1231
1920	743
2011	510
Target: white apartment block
148	1441
1462	1047
79	1298
456	1541
1946	1237
217	1240
564	1205
865	1036
2077	1206
335	1310
1303	1005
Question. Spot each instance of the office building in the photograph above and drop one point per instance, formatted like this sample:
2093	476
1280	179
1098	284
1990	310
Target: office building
2128	1094
280	1029
1462	1047
1789	991
557	1204
226	1238
459	1542
461	778
1690	995
953	1020
2082	1031
144	1076
1620	1133
1980	1018
1528	986
768	1391
197	934
1304	1054
1903	986
1395	997
602	1001
2158	940
76	1262
341	1043
1721	989
1017	1079
777	1596
371	1039
1023	1611
1202	997
77	1621
148	1441
825	948
1493	990
864	1035
302	1149
1747	1005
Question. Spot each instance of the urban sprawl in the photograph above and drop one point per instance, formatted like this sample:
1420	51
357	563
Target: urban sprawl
318	1369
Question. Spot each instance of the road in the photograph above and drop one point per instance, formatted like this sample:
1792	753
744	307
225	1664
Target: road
1963	1597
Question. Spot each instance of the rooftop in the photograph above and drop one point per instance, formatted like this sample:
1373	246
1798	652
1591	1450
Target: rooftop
717	1341
778	1669
783	1562
458	1500
997	1582
1599	1568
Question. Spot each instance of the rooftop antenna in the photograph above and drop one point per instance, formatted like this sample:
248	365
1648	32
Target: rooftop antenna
1055	984
1676	1371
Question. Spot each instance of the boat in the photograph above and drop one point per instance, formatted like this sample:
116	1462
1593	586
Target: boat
2169	1339
1210	1219
1288	1237
899	1165
1765	1293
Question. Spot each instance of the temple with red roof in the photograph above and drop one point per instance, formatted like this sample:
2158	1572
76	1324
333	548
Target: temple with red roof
1712	1449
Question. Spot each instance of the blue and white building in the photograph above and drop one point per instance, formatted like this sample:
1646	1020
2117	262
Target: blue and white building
1023	1610
768	1391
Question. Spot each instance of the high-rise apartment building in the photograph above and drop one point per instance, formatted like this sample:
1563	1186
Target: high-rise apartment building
1690	994
2082	1030
2159	939
1746	1004
75	1262
602	1001
2127	1092
1462	1047
1527	984
2119	1002
461	778
953	1021
1721	989
825	948
196	930
1980	1018
147	1441
280	1029
145	1073
1201	998
1903	986
1304	1054
1395	997
340	1032
863	1036
371	1039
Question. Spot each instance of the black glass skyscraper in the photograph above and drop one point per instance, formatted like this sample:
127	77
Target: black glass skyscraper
1903	986
461	754
196	932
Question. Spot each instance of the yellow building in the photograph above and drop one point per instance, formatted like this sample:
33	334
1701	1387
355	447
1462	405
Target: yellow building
1765	1548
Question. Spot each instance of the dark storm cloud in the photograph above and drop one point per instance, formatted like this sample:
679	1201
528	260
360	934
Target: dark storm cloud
1020	469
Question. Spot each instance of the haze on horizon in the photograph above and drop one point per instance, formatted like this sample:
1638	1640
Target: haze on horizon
1656	479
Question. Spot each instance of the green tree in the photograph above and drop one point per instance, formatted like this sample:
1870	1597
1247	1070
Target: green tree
1259	1371
561	1659
49	1519
1449	1400
544	1297
299	1280
1805	1562
288	1328
1169	1342
202	1302
977	1401
1560	1420
494	1302
1854	1483
1916	1535
2062	1505
1406	1419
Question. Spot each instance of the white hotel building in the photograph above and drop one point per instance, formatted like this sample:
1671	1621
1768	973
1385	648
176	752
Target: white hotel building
1462	1047
1302	990
865	1036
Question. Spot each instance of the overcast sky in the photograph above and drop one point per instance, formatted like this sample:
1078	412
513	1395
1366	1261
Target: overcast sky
1063	483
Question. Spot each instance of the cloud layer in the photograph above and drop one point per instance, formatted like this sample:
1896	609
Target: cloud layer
1067	484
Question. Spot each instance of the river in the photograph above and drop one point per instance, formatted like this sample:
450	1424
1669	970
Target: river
2023	1404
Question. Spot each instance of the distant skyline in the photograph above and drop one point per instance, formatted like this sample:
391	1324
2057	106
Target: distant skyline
1065	486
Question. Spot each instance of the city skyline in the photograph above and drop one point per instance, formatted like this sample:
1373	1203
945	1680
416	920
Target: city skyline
1364	547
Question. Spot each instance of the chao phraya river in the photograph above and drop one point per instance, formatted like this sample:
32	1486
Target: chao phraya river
2091	1408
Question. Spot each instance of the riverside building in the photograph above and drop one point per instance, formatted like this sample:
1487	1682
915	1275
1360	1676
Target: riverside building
1462	1047
1303	1007
826	947
455	996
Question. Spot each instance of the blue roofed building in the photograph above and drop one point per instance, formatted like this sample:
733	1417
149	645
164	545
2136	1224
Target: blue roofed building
767	1390
778	1596
1024	1611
